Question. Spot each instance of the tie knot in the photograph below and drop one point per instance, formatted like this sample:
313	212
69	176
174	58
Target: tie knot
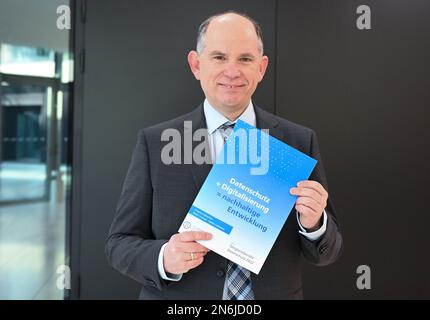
226	126
226	129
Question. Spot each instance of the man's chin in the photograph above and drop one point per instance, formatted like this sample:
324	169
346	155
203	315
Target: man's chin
233	104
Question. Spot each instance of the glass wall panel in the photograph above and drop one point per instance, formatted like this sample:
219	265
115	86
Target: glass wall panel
36	82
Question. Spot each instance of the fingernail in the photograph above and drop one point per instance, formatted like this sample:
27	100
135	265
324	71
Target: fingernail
300	184
293	190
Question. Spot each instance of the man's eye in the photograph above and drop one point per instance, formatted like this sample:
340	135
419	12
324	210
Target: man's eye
221	58
245	59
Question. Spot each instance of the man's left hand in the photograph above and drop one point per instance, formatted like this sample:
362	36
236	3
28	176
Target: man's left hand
311	202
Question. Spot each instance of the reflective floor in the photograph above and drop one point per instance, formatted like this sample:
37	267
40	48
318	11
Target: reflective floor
31	248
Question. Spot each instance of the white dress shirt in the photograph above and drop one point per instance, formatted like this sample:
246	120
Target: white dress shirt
214	120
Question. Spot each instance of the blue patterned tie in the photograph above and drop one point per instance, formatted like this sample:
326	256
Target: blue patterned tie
239	286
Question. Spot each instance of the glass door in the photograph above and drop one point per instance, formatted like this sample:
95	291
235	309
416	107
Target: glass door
24	167
36	83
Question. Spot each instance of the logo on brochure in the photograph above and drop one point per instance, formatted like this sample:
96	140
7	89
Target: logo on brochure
186	225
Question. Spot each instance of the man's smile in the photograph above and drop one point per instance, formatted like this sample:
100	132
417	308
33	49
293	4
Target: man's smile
231	86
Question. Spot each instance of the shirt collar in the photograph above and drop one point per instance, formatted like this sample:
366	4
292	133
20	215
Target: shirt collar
215	119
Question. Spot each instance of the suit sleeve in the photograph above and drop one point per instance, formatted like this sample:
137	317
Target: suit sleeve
326	249
130	246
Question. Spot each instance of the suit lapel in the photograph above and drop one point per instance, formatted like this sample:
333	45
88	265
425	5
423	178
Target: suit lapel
199	171
266	120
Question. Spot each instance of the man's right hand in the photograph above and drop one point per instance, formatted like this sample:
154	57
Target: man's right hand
183	253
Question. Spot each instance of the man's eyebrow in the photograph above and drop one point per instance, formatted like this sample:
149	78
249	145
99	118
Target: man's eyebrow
247	55
242	55
217	53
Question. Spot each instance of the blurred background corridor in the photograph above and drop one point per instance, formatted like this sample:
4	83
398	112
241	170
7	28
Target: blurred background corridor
36	70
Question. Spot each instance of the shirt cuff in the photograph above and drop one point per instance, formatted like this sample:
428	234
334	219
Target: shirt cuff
163	274
315	235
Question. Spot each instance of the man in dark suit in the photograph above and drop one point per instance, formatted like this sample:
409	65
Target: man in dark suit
144	242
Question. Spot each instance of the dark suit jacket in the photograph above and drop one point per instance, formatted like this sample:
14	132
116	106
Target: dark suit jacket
156	197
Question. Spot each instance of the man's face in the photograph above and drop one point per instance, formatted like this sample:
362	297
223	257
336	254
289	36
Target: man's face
230	66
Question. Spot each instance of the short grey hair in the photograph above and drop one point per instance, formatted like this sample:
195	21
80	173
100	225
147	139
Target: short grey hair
205	24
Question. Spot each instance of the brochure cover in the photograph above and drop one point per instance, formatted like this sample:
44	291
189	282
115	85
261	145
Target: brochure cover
245	200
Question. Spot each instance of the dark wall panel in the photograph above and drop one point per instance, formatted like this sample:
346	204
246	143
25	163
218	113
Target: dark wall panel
366	94
136	74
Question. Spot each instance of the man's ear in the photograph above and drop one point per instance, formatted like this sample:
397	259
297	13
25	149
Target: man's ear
193	61
263	66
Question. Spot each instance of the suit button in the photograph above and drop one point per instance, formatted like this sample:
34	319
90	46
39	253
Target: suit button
220	273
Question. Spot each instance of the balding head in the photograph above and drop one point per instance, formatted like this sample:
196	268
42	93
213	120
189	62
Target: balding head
229	63
228	21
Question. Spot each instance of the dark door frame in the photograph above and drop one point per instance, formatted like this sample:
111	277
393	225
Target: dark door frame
73	243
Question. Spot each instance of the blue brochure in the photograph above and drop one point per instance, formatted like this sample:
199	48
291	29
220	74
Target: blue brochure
245	200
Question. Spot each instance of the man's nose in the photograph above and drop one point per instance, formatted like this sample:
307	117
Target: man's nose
232	70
